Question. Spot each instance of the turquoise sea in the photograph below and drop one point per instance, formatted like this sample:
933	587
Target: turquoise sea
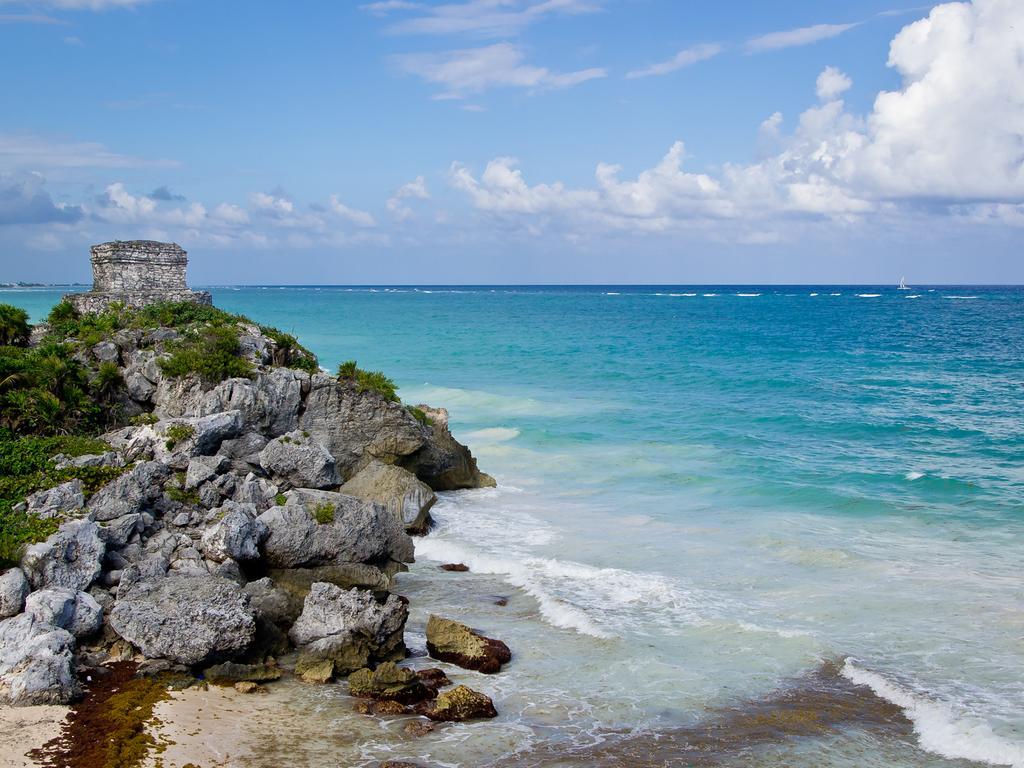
714	503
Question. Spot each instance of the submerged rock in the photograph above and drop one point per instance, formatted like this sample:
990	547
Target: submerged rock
37	663
229	673
459	704
389	682
456	643
186	619
406	497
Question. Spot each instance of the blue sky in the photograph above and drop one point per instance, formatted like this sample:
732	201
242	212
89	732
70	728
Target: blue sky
517	140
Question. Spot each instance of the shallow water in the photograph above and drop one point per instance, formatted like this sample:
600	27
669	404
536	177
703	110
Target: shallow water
703	496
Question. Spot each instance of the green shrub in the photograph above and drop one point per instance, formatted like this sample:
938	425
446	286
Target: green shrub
17	531
289	353
22	455
44	390
145	419
181	496
62	313
368	381
14	327
106	381
177	433
420	416
280	499
212	352
324	513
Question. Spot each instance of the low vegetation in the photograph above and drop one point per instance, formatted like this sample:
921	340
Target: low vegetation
368	381
177	433
26	466
324	513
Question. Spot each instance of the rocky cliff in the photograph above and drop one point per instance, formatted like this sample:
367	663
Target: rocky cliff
242	516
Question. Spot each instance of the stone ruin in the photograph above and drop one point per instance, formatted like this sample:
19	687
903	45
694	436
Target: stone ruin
136	273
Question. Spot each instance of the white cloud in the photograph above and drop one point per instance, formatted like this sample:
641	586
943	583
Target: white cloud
486	18
359	218
831	83
412	190
37	153
230	214
792	38
475	70
272	204
950	141
386	6
684	58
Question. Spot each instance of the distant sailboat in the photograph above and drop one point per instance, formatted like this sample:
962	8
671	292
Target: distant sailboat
903	285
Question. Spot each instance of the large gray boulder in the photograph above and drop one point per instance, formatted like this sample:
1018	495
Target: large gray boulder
59	501
244	452
298	460
71	558
353	531
14	589
406	497
173	441
202	469
186	619
77	612
269	402
236	535
357	426
257	491
349	628
131	493
37	663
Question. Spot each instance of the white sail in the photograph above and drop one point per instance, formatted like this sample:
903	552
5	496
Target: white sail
903	284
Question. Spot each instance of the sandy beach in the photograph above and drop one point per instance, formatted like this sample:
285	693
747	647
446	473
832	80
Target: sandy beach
25	728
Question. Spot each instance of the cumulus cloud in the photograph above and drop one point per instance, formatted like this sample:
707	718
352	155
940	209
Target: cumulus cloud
359	218
951	136
684	58
474	70
792	38
485	18
164	193
23	200
412	190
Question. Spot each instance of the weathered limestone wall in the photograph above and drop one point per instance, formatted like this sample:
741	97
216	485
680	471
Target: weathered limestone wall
136	273
138	265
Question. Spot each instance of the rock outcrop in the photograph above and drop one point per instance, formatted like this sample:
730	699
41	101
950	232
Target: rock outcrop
185	619
14	588
456	643
71	558
37	663
460	704
405	496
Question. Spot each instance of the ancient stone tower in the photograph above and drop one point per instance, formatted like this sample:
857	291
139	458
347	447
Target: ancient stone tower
136	273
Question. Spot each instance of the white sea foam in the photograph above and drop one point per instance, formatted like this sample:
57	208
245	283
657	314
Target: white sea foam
960	297
814	294
939	728
613	293
748	295
710	294
835	294
868	295
492	435
913	296
913	476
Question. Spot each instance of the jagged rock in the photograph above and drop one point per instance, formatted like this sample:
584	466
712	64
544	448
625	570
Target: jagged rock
108	459
296	582
72	557
247	686
106	352
77	612
37	663
270	602
355	426
236	535
456	643
315	671
132	492
455	567
118	531
244	452
59	501
140	389
359	532
459	704
389	682
406	497
349	627
199	436
14	589
186	619
229	673
202	469
299	461
444	463
256	491
269	402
